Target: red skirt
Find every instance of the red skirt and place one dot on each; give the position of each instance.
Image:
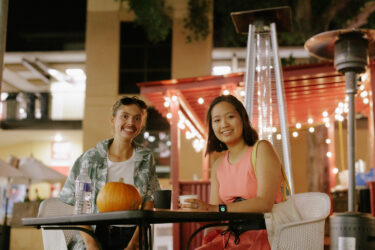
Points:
(249, 240)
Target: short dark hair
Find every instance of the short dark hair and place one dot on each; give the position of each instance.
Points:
(249, 134)
(128, 101)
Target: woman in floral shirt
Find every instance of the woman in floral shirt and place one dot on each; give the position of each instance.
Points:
(111, 160)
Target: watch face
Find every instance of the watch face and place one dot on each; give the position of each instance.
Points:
(222, 208)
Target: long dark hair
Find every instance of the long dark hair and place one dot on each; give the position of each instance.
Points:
(249, 135)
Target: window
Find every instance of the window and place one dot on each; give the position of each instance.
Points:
(141, 60)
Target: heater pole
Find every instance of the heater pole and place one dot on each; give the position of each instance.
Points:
(351, 90)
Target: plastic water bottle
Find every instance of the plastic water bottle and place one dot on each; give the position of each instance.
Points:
(83, 192)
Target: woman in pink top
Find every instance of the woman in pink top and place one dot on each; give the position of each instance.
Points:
(232, 175)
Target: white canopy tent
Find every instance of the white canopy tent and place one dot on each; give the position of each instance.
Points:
(37, 171)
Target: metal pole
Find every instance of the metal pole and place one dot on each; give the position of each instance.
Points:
(3, 31)
(250, 72)
(282, 109)
(351, 90)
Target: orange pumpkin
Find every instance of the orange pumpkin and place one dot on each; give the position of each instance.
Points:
(116, 196)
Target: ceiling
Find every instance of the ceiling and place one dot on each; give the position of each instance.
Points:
(309, 90)
(31, 71)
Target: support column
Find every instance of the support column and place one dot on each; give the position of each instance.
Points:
(371, 118)
(3, 32)
(175, 164)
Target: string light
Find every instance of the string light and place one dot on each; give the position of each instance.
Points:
(325, 114)
(335, 170)
(327, 125)
(278, 137)
(174, 98)
(311, 129)
(364, 94)
(295, 134)
(181, 125)
(226, 92)
(365, 100)
(200, 100)
(298, 125)
(198, 143)
(328, 141)
(146, 134)
(310, 120)
(329, 154)
(169, 115)
(166, 104)
(242, 93)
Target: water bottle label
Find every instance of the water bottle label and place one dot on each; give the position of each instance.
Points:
(86, 187)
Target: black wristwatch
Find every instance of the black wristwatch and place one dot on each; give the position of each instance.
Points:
(222, 208)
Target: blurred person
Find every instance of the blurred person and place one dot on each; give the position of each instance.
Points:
(234, 183)
(110, 160)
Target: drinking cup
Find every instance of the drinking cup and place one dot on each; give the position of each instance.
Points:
(162, 199)
(187, 196)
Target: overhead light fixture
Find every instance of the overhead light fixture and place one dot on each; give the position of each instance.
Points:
(221, 70)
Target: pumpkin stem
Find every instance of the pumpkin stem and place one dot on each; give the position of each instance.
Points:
(121, 180)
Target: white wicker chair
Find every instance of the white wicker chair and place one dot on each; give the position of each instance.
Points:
(55, 239)
(307, 234)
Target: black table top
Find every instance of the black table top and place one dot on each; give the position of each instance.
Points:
(140, 217)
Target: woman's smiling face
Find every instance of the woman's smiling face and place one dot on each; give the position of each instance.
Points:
(226, 123)
(128, 121)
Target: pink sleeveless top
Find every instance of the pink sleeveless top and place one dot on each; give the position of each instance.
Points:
(239, 180)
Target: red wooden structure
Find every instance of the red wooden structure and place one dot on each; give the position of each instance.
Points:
(310, 90)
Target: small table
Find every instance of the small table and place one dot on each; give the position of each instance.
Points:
(142, 218)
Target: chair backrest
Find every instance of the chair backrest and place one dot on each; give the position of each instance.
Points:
(308, 233)
(312, 205)
(55, 239)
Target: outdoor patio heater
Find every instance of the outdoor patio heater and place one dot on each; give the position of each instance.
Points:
(350, 50)
(263, 72)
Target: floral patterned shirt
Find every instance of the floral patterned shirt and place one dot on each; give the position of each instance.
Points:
(95, 159)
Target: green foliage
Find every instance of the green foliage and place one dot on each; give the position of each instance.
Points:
(153, 16)
(197, 21)
(309, 17)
